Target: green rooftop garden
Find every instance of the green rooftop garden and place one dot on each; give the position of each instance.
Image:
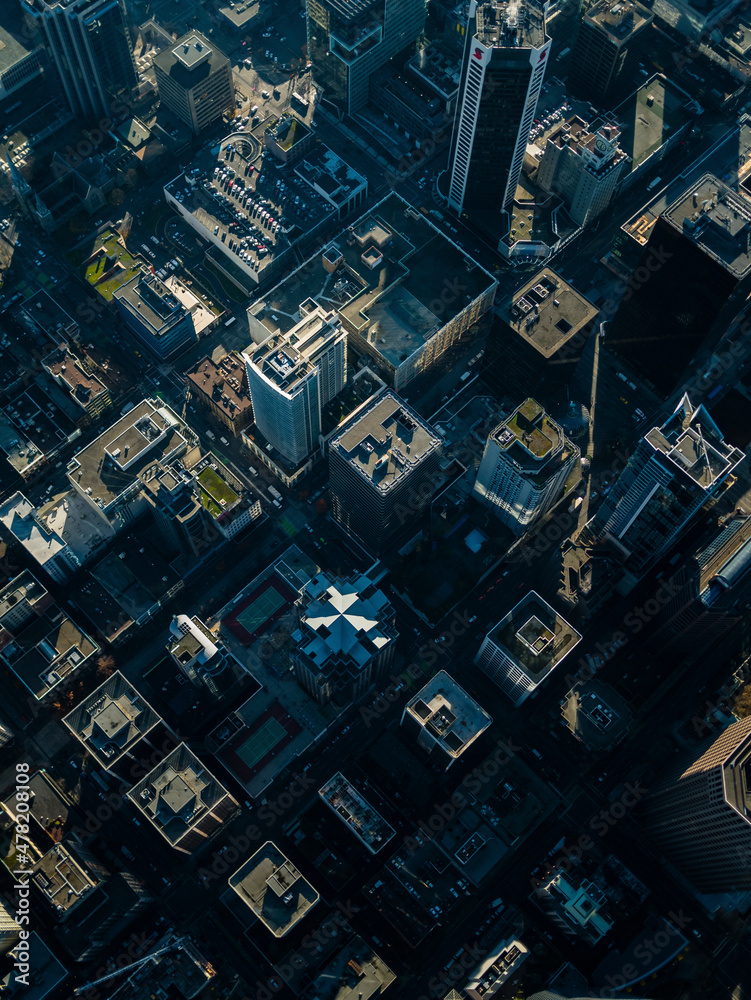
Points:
(214, 490)
(105, 263)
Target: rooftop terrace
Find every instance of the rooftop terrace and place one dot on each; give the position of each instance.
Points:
(384, 275)
(448, 713)
(270, 885)
(535, 636)
(547, 312)
(349, 805)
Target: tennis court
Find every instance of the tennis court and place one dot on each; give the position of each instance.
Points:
(260, 610)
(260, 742)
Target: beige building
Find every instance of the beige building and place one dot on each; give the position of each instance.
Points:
(195, 81)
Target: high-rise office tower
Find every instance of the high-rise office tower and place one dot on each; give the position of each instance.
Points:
(291, 376)
(88, 44)
(674, 470)
(347, 637)
(504, 64)
(195, 81)
(611, 40)
(350, 39)
(699, 815)
(384, 467)
(524, 466)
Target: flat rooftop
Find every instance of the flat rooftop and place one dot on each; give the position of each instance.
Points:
(692, 441)
(270, 885)
(535, 636)
(191, 60)
(151, 432)
(62, 880)
(152, 302)
(596, 715)
(250, 216)
(649, 117)
(529, 435)
(329, 175)
(384, 275)
(362, 819)
(718, 220)
(112, 719)
(512, 24)
(547, 312)
(620, 19)
(240, 15)
(386, 442)
(225, 383)
(48, 651)
(448, 713)
(439, 68)
(182, 799)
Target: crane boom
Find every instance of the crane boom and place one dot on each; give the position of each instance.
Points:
(174, 943)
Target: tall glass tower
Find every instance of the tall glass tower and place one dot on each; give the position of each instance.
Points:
(505, 55)
(88, 44)
(348, 40)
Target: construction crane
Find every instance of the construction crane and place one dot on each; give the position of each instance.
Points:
(174, 943)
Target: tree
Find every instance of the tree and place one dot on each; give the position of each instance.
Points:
(742, 706)
(105, 665)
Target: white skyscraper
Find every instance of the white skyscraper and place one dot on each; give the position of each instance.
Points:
(524, 467)
(291, 377)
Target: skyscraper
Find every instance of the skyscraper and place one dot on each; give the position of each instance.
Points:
(350, 39)
(524, 466)
(88, 44)
(384, 468)
(504, 64)
(611, 40)
(291, 376)
(347, 637)
(674, 470)
(195, 81)
(699, 815)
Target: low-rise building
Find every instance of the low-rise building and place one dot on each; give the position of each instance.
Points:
(183, 801)
(274, 890)
(522, 649)
(87, 391)
(222, 388)
(289, 139)
(354, 810)
(156, 315)
(108, 472)
(334, 180)
(46, 651)
(445, 718)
